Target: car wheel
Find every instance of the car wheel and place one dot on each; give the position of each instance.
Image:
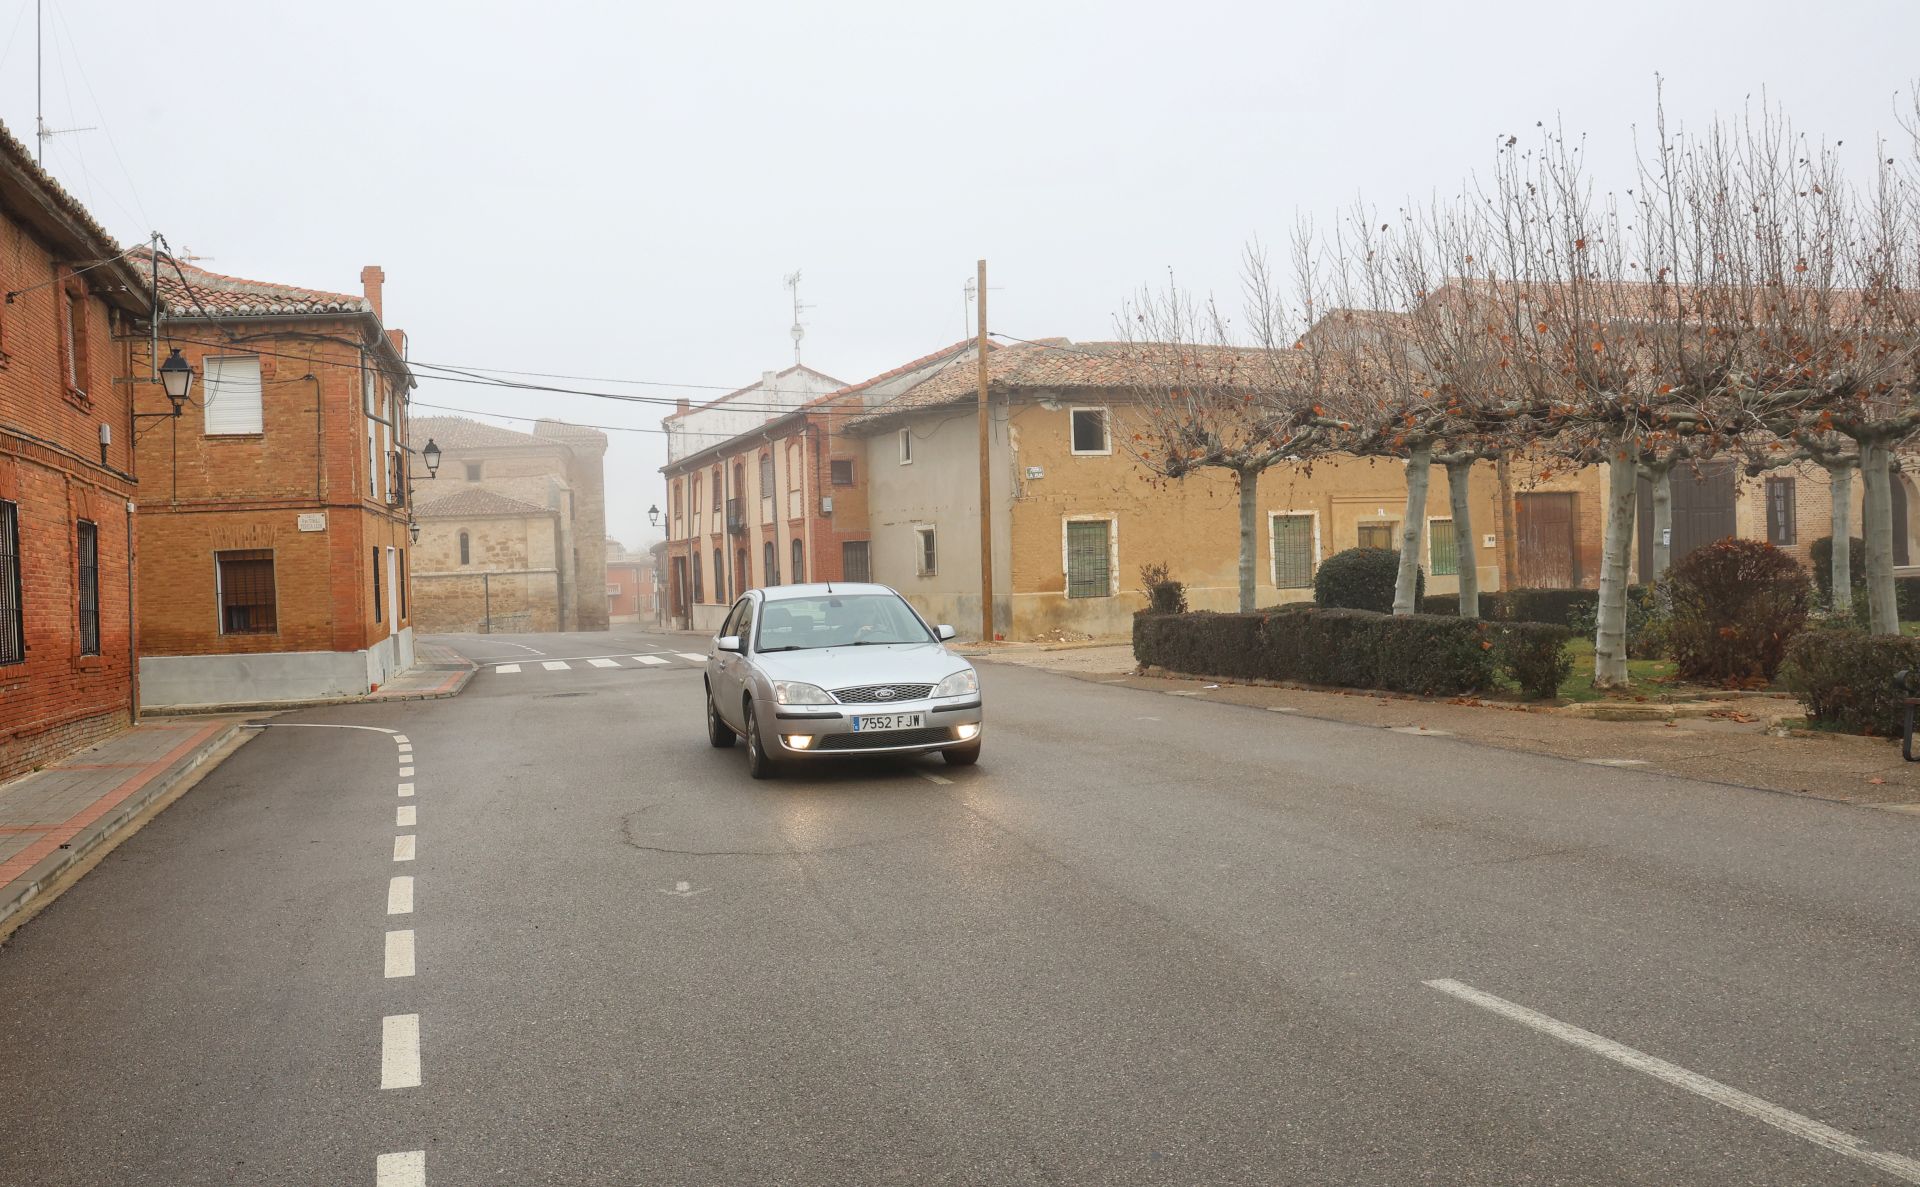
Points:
(760, 764)
(719, 733)
(962, 756)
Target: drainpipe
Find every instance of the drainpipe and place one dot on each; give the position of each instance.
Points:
(133, 658)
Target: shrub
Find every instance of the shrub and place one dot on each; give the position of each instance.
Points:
(1561, 607)
(1362, 579)
(1164, 594)
(1417, 653)
(1820, 557)
(1845, 678)
(1735, 605)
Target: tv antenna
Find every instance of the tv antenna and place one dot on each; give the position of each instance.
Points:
(799, 329)
(41, 132)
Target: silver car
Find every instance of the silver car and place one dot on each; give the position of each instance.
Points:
(806, 670)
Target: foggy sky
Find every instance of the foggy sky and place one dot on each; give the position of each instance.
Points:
(618, 189)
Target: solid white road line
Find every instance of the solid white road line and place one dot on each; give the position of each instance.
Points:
(506, 669)
(406, 772)
(604, 663)
(400, 953)
(400, 1051)
(691, 657)
(403, 816)
(405, 1169)
(400, 895)
(403, 848)
(556, 665)
(1805, 1128)
(651, 660)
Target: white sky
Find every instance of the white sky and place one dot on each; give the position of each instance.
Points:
(618, 189)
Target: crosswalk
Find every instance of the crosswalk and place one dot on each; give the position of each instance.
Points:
(670, 659)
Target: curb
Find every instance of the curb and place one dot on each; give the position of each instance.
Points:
(103, 834)
(452, 687)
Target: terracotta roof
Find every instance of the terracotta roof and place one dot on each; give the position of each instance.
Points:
(1059, 364)
(233, 296)
(956, 349)
(21, 157)
(453, 433)
(475, 502)
(32, 197)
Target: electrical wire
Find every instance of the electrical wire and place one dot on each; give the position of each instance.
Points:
(70, 275)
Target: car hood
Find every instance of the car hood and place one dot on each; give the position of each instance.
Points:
(848, 667)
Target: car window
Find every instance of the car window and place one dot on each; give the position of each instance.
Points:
(736, 621)
(838, 620)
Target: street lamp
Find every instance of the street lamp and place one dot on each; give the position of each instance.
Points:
(653, 515)
(413, 529)
(432, 455)
(176, 377)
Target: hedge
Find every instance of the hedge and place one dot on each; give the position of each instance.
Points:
(1556, 606)
(1363, 579)
(1845, 678)
(1417, 653)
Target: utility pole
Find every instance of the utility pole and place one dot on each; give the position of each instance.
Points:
(986, 470)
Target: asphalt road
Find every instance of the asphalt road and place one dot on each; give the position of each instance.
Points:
(1147, 940)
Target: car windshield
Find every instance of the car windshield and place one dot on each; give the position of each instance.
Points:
(838, 620)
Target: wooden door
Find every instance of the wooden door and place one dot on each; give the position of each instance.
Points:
(1546, 558)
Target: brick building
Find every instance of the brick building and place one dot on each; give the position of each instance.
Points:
(633, 587)
(273, 524)
(557, 472)
(66, 470)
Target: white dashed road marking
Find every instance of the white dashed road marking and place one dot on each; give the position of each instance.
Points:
(400, 1051)
(930, 777)
(400, 954)
(1421, 731)
(506, 669)
(555, 665)
(405, 1169)
(604, 663)
(404, 816)
(400, 895)
(1615, 762)
(1805, 1128)
(690, 656)
(650, 660)
(406, 772)
(403, 848)
(406, 789)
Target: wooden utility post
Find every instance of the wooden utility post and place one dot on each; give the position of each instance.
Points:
(986, 470)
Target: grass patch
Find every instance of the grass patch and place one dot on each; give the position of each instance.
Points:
(1648, 676)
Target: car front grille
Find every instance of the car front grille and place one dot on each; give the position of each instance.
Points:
(883, 739)
(867, 694)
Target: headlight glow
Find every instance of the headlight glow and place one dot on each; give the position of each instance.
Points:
(959, 684)
(792, 692)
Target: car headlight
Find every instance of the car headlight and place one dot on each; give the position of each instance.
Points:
(792, 692)
(959, 684)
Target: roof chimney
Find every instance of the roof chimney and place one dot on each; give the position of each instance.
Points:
(371, 278)
(681, 406)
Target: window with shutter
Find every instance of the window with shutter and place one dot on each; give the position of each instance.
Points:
(1292, 551)
(1443, 550)
(1089, 558)
(232, 396)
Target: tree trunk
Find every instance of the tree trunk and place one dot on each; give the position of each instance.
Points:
(1840, 570)
(1419, 465)
(1249, 533)
(1459, 476)
(1876, 524)
(1610, 639)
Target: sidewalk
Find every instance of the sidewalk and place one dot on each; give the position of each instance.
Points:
(55, 823)
(1734, 744)
(438, 672)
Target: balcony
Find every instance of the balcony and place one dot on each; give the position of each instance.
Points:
(736, 517)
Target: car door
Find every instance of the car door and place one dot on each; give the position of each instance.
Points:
(730, 668)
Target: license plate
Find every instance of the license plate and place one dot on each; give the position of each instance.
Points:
(873, 722)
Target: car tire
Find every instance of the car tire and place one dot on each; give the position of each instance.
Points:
(760, 764)
(962, 756)
(719, 733)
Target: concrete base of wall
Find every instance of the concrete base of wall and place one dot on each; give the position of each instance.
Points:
(167, 680)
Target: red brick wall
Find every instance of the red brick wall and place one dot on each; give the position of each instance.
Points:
(50, 466)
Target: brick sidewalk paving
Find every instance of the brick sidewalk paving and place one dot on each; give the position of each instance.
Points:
(53, 819)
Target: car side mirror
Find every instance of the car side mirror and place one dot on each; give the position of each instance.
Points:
(944, 631)
(727, 643)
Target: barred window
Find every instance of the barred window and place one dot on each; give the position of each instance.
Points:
(244, 585)
(1781, 526)
(13, 635)
(88, 547)
(842, 471)
(1089, 558)
(799, 571)
(929, 552)
(1292, 551)
(1443, 549)
(403, 583)
(855, 564)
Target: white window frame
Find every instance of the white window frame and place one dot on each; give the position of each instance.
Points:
(906, 447)
(211, 392)
(1112, 520)
(1273, 545)
(920, 566)
(1106, 430)
(1426, 547)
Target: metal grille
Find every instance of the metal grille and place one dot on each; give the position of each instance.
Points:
(885, 739)
(864, 695)
(1292, 551)
(1781, 528)
(1089, 561)
(854, 563)
(13, 638)
(1443, 548)
(89, 548)
(246, 592)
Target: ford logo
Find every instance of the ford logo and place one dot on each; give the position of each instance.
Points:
(883, 694)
